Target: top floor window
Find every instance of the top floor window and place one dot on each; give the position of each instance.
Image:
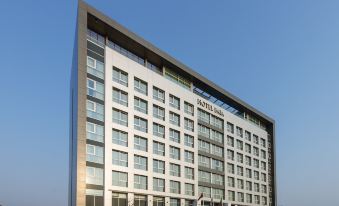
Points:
(140, 86)
(120, 76)
(174, 101)
(159, 94)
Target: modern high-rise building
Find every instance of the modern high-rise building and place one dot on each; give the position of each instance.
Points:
(145, 129)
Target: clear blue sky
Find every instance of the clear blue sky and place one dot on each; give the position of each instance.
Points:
(282, 57)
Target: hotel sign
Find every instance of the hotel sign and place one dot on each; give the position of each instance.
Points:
(210, 107)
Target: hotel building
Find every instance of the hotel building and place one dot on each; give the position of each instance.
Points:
(146, 129)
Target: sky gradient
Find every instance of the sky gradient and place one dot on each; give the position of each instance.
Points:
(282, 57)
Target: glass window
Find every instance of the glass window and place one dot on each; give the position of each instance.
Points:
(256, 199)
(140, 105)
(248, 148)
(94, 154)
(174, 153)
(189, 140)
(95, 89)
(240, 170)
(240, 197)
(140, 182)
(248, 198)
(140, 143)
(216, 150)
(189, 173)
(204, 176)
(189, 124)
(217, 136)
(230, 127)
(262, 142)
(204, 161)
(174, 101)
(230, 154)
(158, 201)
(189, 189)
(230, 168)
(120, 117)
(140, 124)
(174, 135)
(248, 160)
(140, 86)
(248, 173)
(255, 139)
(248, 185)
(158, 112)
(230, 181)
(206, 191)
(189, 156)
(94, 176)
(174, 187)
(94, 197)
(158, 130)
(120, 97)
(218, 193)
(204, 146)
(203, 116)
(189, 108)
(120, 76)
(158, 94)
(174, 202)
(217, 165)
(119, 199)
(174, 118)
(247, 135)
(240, 184)
(158, 166)
(240, 158)
(189, 202)
(119, 179)
(119, 158)
(230, 141)
(158, 185)
(158, 148)
(95, 110)
(239, 132)
(231, 195)
(96, 38)
(140, 200)
(95, 67)
(174, 170)
(140, 162)
(119, 137)
(95, 132)
(239, 144)
(203, 131)
(217, 122)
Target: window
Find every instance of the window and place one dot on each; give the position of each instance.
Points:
(217, 122)
(120, 76)
(95, 110)
(158, 185)
(203, 116)
(240, 158)
(174, 187)
(119, 199)
(240, 197)
(140, 162)
(119, 158)
(247, 135)
(120, 97)
(248, 148)
(174, 118)
(158, 112)
(158, 201)
(203, 131)
(248, 160)
(204, 146)
(255, 139)
(263, 177)
(204, 176)
(174, 153)
(230, 141)
(217, 165)
(240, 171)
(119, 179)
(95, 132)
(120, 117)
(189, 140)
(230, 168)
(230, 181)
(95, 89)
(189, 202)
(230, 127)
(217, 179)
(174, 202)
(263, 189)
(189, 108)
(140, 182)
(94, 176)
(263, 154)
(263, 165)
(174, 101)
(158, 148)
(174, 170)
(264, 200)
(204, 161)
(262, 142)
(239, 144)
(174, 135)
(140, 124)
(189, 125)
(256, 151)
(257, 199)
(239, 132)
(248, 198)
(217, 136)
(158, 94)
(189, 189)
(189, 156)
(248, 173)
(119, 137)
(256, 163)
(158, 130)
(94, 154)
(231, 195)
(140, 143)
(140, 86)
(189, 173)
(140, 200)
(206, 191)
(248, 185)
(256, 175)
(256, 187)
(218, 193)
(140, 105)
(216, 150)
(158, 166)
(94, 197)
(240, 184)
(95, 67)
(230, 154)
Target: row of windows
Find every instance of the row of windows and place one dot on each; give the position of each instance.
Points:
(249, 185)
(248, 159)
(141, 86)
(141, 182)
(248, 135)
(248, 172)
(240, 198)
(248, 148)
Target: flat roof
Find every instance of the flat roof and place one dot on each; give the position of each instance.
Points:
(106, 26)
